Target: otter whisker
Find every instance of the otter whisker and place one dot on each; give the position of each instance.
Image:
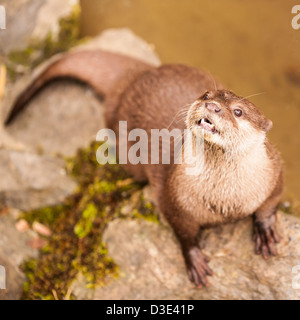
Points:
(213, 79)
(180, 112)
(182, 116)
(252, 95)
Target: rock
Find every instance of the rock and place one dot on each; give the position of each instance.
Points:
(13, 251)
(37, 243)
(41, 229)
(62, 118)
(152, 266)
(31, 181)
(49, 15)
(124, 41)
(66, 116)
(32, 19)
(22, 225)
(80, 290)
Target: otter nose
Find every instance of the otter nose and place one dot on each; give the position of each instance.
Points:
(213, 107)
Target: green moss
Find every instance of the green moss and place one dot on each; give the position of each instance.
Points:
(290, 207)
(41, 50)
(46, 216)
(143, 209)
(85, 225)
(22, 57)
(76, 245)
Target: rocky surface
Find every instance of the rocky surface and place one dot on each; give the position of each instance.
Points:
(124, 41)
(29, 181)
(152, 267)
(14, 250)
(62, 118)
(29, 20)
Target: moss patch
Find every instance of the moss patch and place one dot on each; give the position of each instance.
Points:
(47, 216)
(290, 207)
(76, 246)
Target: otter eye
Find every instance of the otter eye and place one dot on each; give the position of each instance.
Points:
(238, 112)
(205, 96)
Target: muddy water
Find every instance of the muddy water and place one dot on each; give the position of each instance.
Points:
(249, 45)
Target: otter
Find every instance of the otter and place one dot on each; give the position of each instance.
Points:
(242, 173)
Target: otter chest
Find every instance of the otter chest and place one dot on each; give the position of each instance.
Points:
(229, 190)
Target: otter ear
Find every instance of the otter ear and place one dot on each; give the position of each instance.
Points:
(206, 95)
(268, 125)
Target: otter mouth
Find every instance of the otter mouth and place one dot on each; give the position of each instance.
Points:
(207, 125)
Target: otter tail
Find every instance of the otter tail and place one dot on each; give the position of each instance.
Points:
(99, 69)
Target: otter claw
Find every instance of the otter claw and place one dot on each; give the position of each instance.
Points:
(265, 241)
(197, 267)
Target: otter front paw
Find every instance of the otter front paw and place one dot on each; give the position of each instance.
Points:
(265, 237)
(197, 267)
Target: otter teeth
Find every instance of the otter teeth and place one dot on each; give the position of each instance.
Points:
(206, 124)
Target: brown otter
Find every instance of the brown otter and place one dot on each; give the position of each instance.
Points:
(242, 172)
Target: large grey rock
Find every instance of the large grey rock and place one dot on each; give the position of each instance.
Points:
(31, 181)
(13, 251)
(62, 118)
(31, 19)
(152, 267)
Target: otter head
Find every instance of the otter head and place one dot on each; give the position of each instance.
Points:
(231, 122)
